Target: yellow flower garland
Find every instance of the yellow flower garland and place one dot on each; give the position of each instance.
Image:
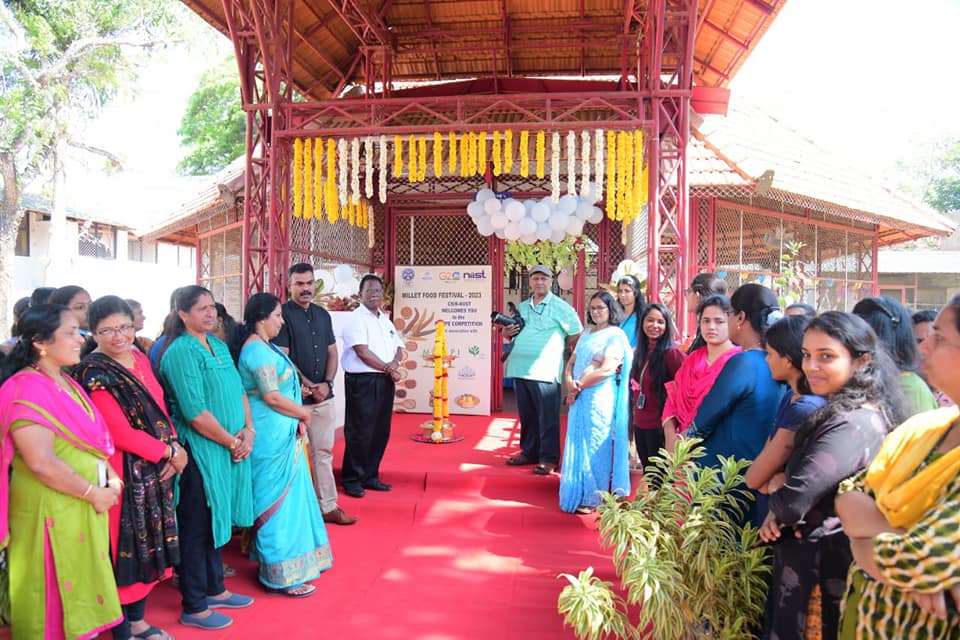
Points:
(421, 159)
(308, 183)
(464, 155)
(496, 153)
(624, 167)
(524, 160)
(412, 158)
(437, 154)
(317, 178)
(611, 178)
(452, 160)
(298, 178)
(507, 151)
(541, 153)
(330, 196)
(397, 156)
(637, 175)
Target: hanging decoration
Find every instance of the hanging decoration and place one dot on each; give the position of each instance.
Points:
(326, 175)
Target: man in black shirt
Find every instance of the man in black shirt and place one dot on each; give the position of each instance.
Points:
(307, 336)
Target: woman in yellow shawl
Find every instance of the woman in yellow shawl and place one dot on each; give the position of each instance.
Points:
(903, 514)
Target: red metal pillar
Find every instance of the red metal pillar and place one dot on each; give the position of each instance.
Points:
(666, 65)
(261, 31)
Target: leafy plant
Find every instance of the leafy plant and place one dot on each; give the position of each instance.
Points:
(685, 566)
(4, 588)
(792, 281)
(555, 255)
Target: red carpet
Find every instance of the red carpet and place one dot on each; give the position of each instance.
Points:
(463, 548)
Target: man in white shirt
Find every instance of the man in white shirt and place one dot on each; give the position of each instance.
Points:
(371, 363)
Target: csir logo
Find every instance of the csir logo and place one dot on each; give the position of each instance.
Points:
(407, 275)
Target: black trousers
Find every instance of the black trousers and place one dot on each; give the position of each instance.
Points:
(201, 564)
(133, 611)
(366, 427)
(798, 566)
(538, 404)
(649, 442)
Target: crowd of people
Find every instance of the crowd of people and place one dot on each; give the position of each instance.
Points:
(848, 421)
(127, 461)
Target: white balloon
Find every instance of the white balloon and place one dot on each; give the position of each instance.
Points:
(565, 279)
(544, 231)
(528, 238)
(527, 226)
(557, 235)
(567, 204)
(484, 227)
(321, 275)
(583, 211)
(596, 215)
(558, 220)
(491, 206)
(512, 231)
(589, 193)
(528, 205)
(574, 226)
(499, 219)
(345, 289)
(475, 209)
(514, 209)
(499, 233)
(485, 194)
(540, 212)
(342, 273)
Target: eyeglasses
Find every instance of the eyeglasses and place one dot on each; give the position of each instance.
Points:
(109, 332)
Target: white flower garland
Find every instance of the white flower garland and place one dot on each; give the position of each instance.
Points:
(368, 167)
(342, 174)
(371, 236)
(355, 169)
(571, 163)
(598, 141)
(383, 173)
(555, 166)
(585, 163)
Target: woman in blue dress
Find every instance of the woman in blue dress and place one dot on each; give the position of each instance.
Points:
(290, 540)
(596, 450)
(631, 300)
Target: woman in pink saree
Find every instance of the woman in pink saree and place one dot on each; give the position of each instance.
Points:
(53, 514)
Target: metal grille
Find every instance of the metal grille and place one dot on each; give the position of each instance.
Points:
(439, 240)
(220, 262)
(97, 241)
(316, 239)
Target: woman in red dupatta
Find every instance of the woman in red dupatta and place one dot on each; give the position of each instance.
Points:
(61, 486)
(699, 371)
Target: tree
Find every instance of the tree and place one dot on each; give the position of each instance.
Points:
(936, 178)
(214, 125)
(60, 62)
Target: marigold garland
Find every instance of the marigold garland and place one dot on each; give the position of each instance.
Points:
(412, 158)
(508, 151)
(611, 207)
(522, 151)
(571, 163)
(317, 178)
(464, 155)
(452, 160)
(541, 153)
(422, 158)
(330, 186)
(624, 166)
(437, 154)
(637, 175)
(297, 178)
(397, 156)
(474, 150)
(496, 154)
(352, 211)
(308, 182)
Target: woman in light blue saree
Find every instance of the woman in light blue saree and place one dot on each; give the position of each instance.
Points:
(289, 538)
(595, 453)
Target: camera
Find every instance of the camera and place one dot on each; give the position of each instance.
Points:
(503, 320)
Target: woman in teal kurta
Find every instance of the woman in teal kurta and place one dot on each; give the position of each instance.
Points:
(290, 539)
(212, 416)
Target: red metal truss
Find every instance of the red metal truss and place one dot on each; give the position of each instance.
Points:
(366, 24)
(261, 33)
(667, 73)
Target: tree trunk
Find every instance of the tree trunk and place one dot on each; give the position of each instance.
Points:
(10, 216)
(59, 261)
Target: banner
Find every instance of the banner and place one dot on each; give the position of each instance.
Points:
(460, 296)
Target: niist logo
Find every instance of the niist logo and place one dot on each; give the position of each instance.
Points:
(454, 276)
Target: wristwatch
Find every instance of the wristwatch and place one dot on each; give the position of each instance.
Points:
(329, 384)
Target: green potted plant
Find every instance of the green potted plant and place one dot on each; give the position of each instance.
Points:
(686, 568)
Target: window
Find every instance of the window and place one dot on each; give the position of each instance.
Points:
(97, 241)
(141, 251)
(23, 236)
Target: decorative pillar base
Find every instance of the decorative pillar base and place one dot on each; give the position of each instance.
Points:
(446, 433)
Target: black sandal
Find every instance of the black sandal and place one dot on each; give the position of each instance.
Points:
(544, 468)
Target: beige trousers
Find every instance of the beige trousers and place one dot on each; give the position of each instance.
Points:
(320, 434)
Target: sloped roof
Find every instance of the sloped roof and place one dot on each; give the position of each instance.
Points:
(44, 205)
(457, 39)
(730, 153)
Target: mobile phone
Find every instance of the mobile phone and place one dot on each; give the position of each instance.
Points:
(101, 473)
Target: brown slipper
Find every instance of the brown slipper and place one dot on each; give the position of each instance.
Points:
(544, 468)
(520, 460)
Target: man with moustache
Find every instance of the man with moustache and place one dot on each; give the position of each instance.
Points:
(372, 350)
(534, 364)
(307, 337)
